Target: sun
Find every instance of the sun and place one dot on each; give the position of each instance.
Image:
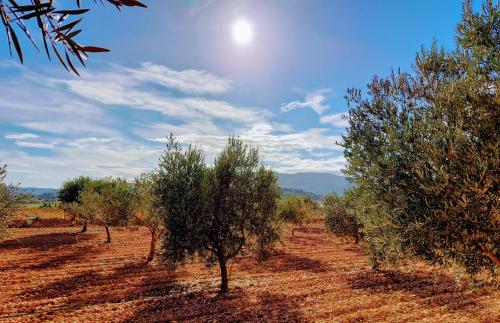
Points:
(242, 32)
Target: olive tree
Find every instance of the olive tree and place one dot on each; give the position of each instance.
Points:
(10, 201)
(424, 148)
(342, 217)
(148, 210)
(69, 194)
(108, 202)
(296, 210)
(216, 212)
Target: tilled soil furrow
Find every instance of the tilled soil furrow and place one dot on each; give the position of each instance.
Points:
(60, 275)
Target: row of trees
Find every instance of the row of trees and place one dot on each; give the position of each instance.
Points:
(107, 202)
(423, 150)
(214, 213)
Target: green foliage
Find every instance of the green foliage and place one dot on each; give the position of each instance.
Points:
(423, 148)
(214, 212)
(179, 188)
(147, 206)
(10, 201)
(342, 216)
(70, 189)
(297, 210)
(69, 195)
(266, 223)
(148, 209)
(108, 201)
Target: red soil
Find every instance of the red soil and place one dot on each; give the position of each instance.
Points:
(56, 274)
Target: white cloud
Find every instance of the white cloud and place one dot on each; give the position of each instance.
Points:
(30, 144)
(66, 127)
(338, 120)
(188, 81)
(91, 158)
(90, 135)
(314, 100)
(281, 150)
(121, 92)
(21, 136)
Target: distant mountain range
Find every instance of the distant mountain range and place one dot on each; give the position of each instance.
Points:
(43, 194)
(313, 184)
(293, 191)
(317, 183)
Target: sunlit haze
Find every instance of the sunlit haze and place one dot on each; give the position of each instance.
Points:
(243, 32)
(273, 73)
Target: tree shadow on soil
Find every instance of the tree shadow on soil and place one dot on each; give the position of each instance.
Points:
(162, 298)
(281, 261)
(432, 290)
(77, 255)
(235, 306)
(44, 223)
(45, 242)
(129, 282)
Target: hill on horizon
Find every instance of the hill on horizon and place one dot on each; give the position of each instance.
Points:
(42, 193)
(317, 183)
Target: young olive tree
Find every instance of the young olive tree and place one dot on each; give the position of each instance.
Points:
(296, 210)
(341, 216)
(10, 201)
(108, 202)
(69, 194)
(215, 212)
(148, 210)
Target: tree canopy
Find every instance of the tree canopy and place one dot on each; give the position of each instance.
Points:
(148, 209)
(106, 202)
(215, 212)
(423, 148)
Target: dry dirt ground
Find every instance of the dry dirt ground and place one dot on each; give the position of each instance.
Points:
(53, 273)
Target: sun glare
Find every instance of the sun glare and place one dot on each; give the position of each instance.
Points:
(242, 32)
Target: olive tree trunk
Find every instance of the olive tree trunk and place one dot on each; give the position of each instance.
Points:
(152, 247)
(108, 236)
(224, 286)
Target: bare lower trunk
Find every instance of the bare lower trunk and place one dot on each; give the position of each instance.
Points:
(488, 252)
(293, 231)
(493, 258)
(84, 228)
(108, 236)
(152, 247)
(224, 286)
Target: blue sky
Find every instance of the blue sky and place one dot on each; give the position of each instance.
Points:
(175, 67)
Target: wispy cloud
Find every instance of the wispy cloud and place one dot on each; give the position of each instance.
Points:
(115, 88)
(21, 136)
(30, 144)
(338, 120)
(113, 121)
(314, 100)
(188, 81)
